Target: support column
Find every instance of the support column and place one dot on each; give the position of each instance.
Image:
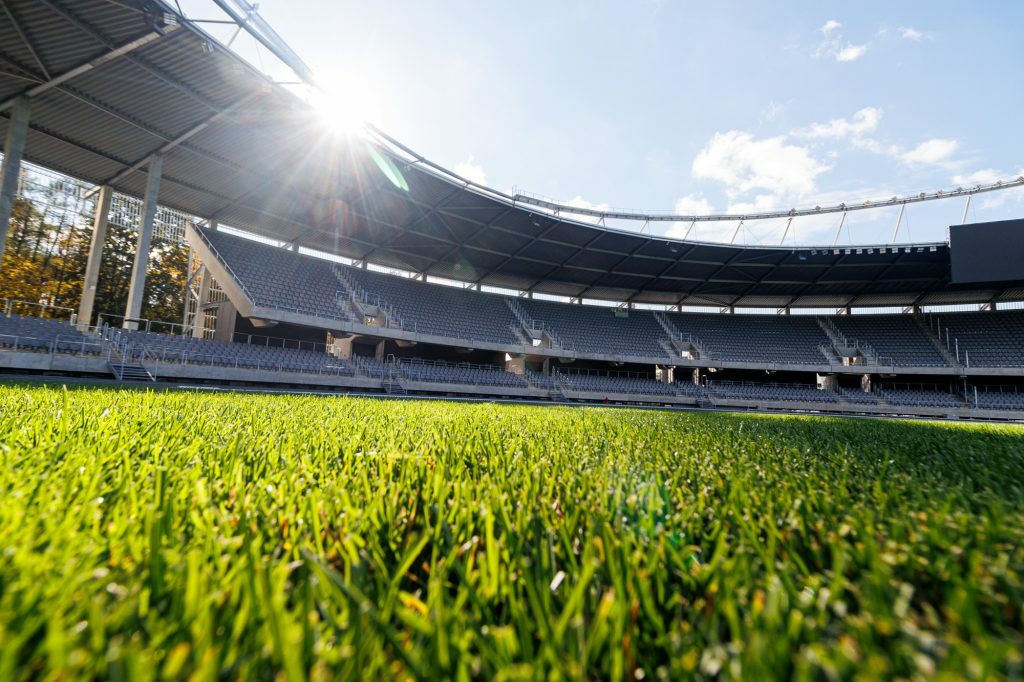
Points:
(199, 322)
(92, 266)
(147, 219)
(14, 148)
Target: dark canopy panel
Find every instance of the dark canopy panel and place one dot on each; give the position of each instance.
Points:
(112, 83)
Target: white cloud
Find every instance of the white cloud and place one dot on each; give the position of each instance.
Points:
(910, 33)
(829, 26)
(693, 204)
(580, 202)
(851, 53)
(832, 44)
(985, 176)
(744, 163)
(472, 171)
(929, 152)
(863, 121)
(771, 111)
(989, 176)
(762, 203)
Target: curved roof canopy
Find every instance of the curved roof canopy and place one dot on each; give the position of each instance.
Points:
(111, 84)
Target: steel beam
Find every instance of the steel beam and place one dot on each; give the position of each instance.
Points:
(148, 218)
(113, 54)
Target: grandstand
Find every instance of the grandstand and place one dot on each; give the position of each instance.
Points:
(354, 264)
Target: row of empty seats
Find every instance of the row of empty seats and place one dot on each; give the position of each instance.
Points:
(897, 340)
(755, 338)
(990, 339)
(458, 373)
(593, 329)
(19, 332)
(599, 383)
(168, 348)
(277, 277)
(775, 392)
(48, 335)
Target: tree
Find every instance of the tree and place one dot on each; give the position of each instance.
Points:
(48, 248)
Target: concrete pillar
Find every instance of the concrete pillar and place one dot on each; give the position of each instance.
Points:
(227, 316)
(828, 382)
(14, 148)
(516, 364)
(342, 348)
(212, 224)
(147, 219)
(92, 266)
(199, 323)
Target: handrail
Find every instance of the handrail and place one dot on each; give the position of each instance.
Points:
(9, 303)
(223, 261)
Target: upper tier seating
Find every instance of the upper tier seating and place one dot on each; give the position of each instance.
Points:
(286, 280)
(441, 310)
(281, 279)
(790, 339)
(593, 329)
(988, 339)
(44, 334)
(898, 339)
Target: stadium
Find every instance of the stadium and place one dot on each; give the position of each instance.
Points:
(166, 515)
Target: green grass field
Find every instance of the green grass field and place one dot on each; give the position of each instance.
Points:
(215, 536)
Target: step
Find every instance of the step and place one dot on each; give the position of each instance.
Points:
(133, 372)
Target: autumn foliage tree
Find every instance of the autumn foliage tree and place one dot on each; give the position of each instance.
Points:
(46, 254)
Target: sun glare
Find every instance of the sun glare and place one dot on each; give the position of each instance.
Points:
(338, 111)
(345, 105)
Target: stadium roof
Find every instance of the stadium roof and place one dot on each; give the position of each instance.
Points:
(112, 83)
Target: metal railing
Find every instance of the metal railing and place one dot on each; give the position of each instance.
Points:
(224, 263)
(531, 324)
(12, 306)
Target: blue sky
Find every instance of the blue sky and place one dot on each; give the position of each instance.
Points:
(697, 107)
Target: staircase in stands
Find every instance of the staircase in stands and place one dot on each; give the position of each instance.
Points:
(937, 342)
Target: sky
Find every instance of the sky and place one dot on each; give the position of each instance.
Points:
(695, 108)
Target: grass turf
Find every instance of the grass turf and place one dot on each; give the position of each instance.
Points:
(169, 535)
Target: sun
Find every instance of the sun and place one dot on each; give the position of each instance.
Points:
(344, 106)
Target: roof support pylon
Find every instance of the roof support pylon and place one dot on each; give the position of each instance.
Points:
(138, 283)
(739, 226)
(967, 207)
(14, 149)
(839, 229)
(785, 232)
(899, 219)
(92, 266)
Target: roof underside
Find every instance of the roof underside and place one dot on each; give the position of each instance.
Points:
(249, 154)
